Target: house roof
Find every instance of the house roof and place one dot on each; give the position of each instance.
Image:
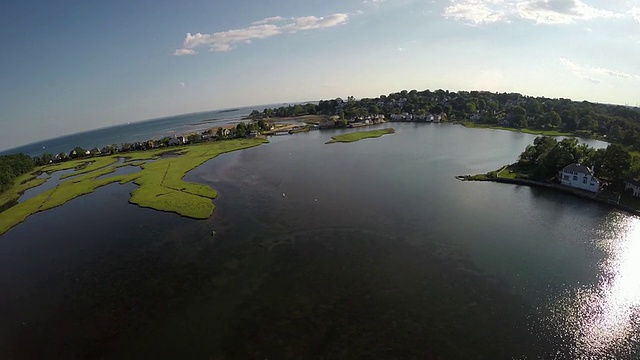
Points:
(633, 182)
(577, 168)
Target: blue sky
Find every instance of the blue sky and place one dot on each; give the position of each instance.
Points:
(72, 66)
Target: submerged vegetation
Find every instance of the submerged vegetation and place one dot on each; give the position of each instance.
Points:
(356, 136)
(160, 182)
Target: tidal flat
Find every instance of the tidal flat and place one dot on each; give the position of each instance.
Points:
(160, 184)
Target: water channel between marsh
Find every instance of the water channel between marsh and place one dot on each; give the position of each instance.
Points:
(362, 250)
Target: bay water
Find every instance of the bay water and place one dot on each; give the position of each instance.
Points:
(363, 250)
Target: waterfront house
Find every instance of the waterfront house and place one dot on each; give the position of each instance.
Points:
(397, 117)
(579, 177)
(632, 187)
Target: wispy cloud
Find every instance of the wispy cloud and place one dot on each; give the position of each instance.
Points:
(262, 29)
(595, 73)
(635, 13)
(180, 52)
(477, 12)
(269, 20)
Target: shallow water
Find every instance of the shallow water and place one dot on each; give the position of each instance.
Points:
(52, 181)
(374, 251)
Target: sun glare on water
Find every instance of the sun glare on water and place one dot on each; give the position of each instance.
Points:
(605, 319)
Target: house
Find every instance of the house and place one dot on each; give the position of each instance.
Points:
(397, 117)
(579, 177)
(632, 187)
(328, 123)
(174, 141)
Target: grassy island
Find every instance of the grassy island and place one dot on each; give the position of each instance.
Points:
(356, 136)
(160, 182)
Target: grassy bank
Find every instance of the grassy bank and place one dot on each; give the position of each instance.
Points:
(356, 136)
(160, 183)
(526, 131)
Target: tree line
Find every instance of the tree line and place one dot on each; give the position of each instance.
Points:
(12, 166)
(615, 123)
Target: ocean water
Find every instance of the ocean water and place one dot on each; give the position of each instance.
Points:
(139, 131)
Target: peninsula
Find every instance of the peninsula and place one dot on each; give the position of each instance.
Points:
(542, 163)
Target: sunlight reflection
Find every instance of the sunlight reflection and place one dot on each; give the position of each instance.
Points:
(606, 318)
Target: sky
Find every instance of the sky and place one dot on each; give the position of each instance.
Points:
(71, 66)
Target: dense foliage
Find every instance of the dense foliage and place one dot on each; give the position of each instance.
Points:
(616, 123)
(12, 166)
(547, 156)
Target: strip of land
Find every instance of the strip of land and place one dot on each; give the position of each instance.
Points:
(160, 182)
(511, 174)
(360, 135)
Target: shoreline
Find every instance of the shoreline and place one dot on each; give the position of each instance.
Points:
(553, 133)
(556, 187)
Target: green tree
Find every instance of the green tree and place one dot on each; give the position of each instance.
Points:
(470, 108)
(533, 107)
(554, 119)
(588, 123)
(616, 163)
(241, 130)
(615, 133)
(77, 152)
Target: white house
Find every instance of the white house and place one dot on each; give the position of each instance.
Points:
(580, 177)
(632, 187)
(397, 117)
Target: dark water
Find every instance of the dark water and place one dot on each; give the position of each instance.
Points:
(374, 251)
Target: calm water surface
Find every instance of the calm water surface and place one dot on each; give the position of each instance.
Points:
(362, 250)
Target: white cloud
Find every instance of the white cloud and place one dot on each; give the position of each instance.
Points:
(477, 12)
(182, 85)
(181, 52)
(269, 20)
(228, 40)
(591, 73)
(635, 13)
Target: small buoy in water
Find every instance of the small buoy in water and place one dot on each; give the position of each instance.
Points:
(213, 233)
(282, 194)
